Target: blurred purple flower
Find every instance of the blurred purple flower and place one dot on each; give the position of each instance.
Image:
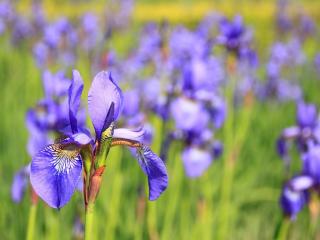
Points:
(20, 183)
(233, 34)
(55, 85)
(22, 30)
(311, 162)
(283, 21)
(41, 54)
(195, 161)
(189, 115)
(306, 26)
(131, 103)
(91, 30)
(306, 115)
(292, 201)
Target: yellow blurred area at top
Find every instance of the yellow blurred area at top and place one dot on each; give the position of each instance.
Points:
(173, 11)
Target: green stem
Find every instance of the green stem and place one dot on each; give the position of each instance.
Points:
(226, 189)
(89, 221)
(283, 230)
(174, 197)
(228, 165)
(31, 221)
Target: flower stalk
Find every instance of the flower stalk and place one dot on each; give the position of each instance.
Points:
(32, 215)
(31, 221)
(89, 221)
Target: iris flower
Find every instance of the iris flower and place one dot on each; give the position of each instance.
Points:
(57, 169)
(295, 195)
(306, 130)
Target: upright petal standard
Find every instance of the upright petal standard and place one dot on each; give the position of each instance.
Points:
(74, 93)
(104, 94)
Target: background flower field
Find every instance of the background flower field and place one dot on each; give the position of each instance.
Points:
(231, 200)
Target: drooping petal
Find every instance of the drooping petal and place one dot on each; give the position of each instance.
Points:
(55, 173)
(104, 94)
(125, 133)
(75, 91)
(156, 171)
(20, 183)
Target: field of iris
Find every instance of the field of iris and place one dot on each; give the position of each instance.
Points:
(237, 196)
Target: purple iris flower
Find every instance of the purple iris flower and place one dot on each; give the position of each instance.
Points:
(311, 162)
(217, 149)
(52, 36)
(305, 131)
(153, 88)
(180, 42)
(91, 30)
(279, 53)
(196, 161)
(150, 42)
(249, 56)
(6, 11)
(273, 69)
(55, 85)
(295, 196)
(306, 115)
(131, 103)
(39, 18)
(189, 115)
(282, 149)
(283, 22)
(232, 33)
(38, 135)
(22, 30)
(41, 54)
(20, 183)
(56, 169)
(90, 23)
(306, 26)
(63, 25)
(286, 90)
(209, 23)
(218, 111)
(202, 76)
(283, 56)
(49, 116)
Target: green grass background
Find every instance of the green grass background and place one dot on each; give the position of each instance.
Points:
(189, 209)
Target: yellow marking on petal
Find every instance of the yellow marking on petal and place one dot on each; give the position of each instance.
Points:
(65, 157)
